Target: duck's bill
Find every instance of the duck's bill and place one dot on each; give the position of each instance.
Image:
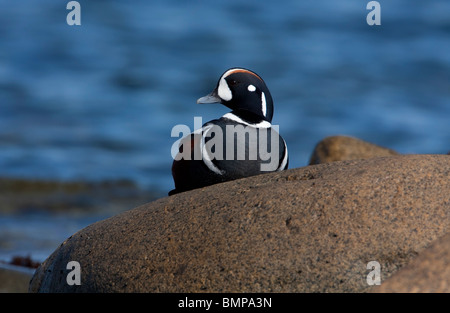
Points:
(211, 98)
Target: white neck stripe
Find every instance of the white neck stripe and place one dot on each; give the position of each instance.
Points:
(264, 104)
(234, 117)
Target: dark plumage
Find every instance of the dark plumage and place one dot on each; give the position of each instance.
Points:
(241, 143)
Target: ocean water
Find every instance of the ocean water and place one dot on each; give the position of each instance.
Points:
(98, 101)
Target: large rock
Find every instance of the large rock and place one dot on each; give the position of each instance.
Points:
(311, 229)
(429, 272)
(342, 148)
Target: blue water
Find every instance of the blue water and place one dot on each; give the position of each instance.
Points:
(98, 101)
(38, 235)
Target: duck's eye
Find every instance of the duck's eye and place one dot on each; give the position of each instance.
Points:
(233, 82)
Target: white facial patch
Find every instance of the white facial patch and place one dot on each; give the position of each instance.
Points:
(263, 103)
(251, 88)
(223, 90)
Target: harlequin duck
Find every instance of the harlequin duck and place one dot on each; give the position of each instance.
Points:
(241, 143)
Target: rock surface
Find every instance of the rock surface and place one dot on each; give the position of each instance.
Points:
(342, 148)
(311, 229)
(428, 273)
